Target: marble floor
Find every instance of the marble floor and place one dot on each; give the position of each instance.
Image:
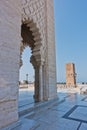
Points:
(71, 114)
(26, 97)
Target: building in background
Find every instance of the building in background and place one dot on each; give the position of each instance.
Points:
(70, 74)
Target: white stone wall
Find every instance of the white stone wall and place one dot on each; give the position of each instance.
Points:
(42, 13)
(10, 21)
(51, 50)
(35, 10)
(39, 15)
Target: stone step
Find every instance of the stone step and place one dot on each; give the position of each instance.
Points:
(28, 124)
(23, 124)
(38, 107)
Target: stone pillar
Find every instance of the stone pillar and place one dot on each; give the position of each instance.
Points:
(51, 52)
(45, 83)
(10, 30)
(36, 93)
(41, 79)
(38, 83)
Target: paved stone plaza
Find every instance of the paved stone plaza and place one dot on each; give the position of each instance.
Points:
(69, 114)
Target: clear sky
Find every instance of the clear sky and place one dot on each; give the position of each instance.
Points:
(70, 37)
(27, 67)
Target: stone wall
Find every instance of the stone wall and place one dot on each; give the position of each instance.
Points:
(34, 10)
(10, 23)
(51, 50)
(42, 14)
(38, 15)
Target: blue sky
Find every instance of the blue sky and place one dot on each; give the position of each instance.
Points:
(70, 37)
(27, 67)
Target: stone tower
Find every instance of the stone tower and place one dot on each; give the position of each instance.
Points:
(26, 23)
(70, 75)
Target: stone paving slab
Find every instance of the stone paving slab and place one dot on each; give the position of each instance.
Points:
(83, 126)
(52, 123)
(80, 113)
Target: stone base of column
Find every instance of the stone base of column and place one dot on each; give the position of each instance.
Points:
(53, 98)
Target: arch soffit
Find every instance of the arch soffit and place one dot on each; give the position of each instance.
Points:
(36, 49)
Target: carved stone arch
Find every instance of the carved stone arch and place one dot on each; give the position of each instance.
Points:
(34, 14)
(36, 21)
(35, 40)
(31, 37)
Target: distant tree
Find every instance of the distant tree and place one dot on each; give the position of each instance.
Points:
(25, 82)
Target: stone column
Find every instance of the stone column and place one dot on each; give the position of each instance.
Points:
(36, 93)
(41, 79)
(38, 83)
(45, 85)
(51, 55)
